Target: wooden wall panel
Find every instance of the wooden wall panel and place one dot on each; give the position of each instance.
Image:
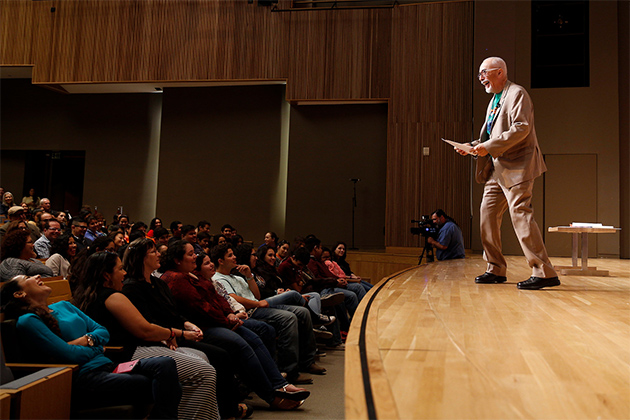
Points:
(431, 97)
(16, 23)
(339, 55)
(124, 41)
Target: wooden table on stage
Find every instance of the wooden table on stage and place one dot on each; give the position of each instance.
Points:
(574, 269)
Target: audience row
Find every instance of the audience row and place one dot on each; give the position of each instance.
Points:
(195, 313)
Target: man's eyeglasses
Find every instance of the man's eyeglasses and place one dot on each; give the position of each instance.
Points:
(484, 72)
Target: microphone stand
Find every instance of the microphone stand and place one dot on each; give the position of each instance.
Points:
(354, 205)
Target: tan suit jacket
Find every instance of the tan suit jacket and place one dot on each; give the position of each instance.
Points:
(514, 155)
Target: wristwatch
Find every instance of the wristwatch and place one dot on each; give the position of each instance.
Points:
(90, 340)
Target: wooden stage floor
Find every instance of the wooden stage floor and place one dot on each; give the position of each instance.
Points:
(429, 343)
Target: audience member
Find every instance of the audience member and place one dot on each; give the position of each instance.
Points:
(18, 257)
(62, 218)
(189, 233)
(52, 230)
(44, 204)
(7, 203)
(62, 333)
(336, 269)
(62, 253)
(154, 224)
(237, 240)
(123, 222)
(203, 226)
(93, 230)
(176, 230)
(282, 252)
(31, 200)
(227, 230)
(161, 236)
(102, 243)
(79, 227)
(153, 299)
(204, 239)
(118, 238)
(271, 240)
(141, 226)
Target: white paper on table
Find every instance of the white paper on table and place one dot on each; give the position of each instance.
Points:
(463, 146)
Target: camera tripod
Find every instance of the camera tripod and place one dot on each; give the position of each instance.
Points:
(428, 250)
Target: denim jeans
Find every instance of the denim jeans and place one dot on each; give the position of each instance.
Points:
(291, 297)
(350, 304)
(152, 381)
(249, 354)
(358, 290)
(265, 331)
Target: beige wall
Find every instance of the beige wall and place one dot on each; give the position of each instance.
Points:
(568, 120)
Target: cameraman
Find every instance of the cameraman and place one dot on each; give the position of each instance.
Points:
(450, 241)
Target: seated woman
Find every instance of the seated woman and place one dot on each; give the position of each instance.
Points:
(118, 238)
(199, 300)
(63, 251)
(282, 253)
(7, 203)
(334, 265)
(31, 200)
(271, 240)
(99, 296)
(272, 285)
(154, 224)
(152, 298)
(61, 333)
(18, 257)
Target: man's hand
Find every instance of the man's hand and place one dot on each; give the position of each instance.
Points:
(244, 270)
(431, 241)
(480, 150)
(342, 282)
(460, 151)
(263, 304)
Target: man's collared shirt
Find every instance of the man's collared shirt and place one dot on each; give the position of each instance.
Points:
(42, 247)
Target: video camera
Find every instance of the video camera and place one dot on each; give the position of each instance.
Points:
(425, 227)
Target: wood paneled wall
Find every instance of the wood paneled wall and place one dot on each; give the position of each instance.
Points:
(431, 97)
(418, 57)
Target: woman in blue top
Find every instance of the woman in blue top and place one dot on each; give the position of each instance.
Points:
(61, 333)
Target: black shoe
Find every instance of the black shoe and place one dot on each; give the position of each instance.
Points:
(489, 278)
(333, 299)
(535, 283)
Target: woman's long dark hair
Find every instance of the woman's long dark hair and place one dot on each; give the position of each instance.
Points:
(60, 246)
(243, 254)
(176, 251)
(261, 264)
(334, 255)
(13, 307)
(96, 266)
(13, 244)
(133, 260)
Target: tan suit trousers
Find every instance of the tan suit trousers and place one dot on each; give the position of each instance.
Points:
(518, 199)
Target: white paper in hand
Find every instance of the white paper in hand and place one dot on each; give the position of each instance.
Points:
(463, 146)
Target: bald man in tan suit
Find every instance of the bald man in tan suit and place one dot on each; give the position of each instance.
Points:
(508, 161)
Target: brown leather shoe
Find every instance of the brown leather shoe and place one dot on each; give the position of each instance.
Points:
(301, 379)
(285, 404)
(315, 369)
